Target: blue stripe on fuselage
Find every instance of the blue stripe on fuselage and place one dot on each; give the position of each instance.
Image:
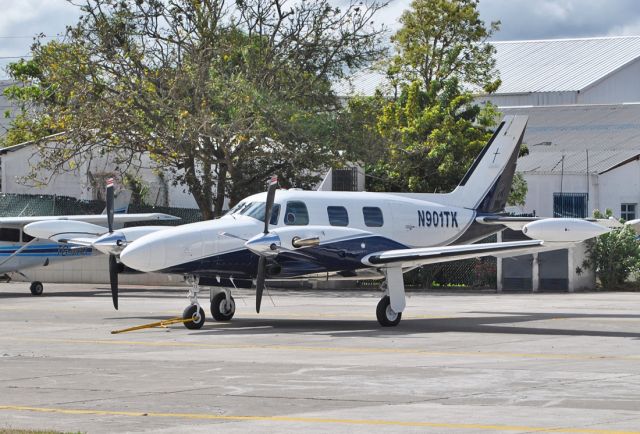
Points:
(51, 249)
(343, 255)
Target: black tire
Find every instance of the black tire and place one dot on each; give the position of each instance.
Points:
(386, 316)
(36, 288)
(219, 309)
(190, 312)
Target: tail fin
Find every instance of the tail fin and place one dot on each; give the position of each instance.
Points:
(487, 184)
(121, 202)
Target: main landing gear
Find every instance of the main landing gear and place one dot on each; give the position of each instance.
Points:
(223, 306)
(392, 303)
(36, 288)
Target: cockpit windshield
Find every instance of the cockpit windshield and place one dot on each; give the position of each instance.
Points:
(256, 210)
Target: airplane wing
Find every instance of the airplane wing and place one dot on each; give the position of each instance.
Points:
(94, 219)
(433, 255)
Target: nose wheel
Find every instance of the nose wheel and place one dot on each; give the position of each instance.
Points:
(193, 312)
(36, 288)
(196, 314)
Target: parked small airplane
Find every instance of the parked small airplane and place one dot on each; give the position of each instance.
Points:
(23, 244)
(296, 234)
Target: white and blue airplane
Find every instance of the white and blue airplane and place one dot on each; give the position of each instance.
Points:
(296, 234)
(23, 245)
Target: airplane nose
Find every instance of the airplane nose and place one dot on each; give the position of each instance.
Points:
(264, 244)
(137, 256)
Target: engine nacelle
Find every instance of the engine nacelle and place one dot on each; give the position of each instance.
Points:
(56, 230)
(563, 230)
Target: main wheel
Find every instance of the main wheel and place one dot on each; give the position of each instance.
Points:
(36, 288)
(220, 309)
(387, 317)
(196, 314)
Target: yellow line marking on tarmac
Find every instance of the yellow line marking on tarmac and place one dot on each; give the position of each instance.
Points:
(227, 346)
(316, 420)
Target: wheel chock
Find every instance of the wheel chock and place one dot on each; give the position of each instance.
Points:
(163, 323)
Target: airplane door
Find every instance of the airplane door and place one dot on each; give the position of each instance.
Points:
(405, 225)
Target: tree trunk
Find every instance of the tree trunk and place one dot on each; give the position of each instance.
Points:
(220, 190)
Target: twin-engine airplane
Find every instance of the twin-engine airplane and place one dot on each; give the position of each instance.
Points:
(27, 242)
(295, 234)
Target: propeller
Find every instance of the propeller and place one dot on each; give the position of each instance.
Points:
(262, 261)
(113, 263)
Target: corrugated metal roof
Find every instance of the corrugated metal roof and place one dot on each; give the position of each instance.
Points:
(611, 134)
(561, 64)
(574, 162)
(613, 127)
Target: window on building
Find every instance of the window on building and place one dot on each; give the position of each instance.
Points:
(570, 205)
(10, 234)
(628, 211)
(296, 214)
(338, 216)
(372, 216)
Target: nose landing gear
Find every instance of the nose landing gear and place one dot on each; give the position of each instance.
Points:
(194, 311)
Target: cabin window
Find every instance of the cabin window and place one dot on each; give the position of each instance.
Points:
(372, 216)
(257, 210)
(10, 234)
(338, 216)
(26, 237)
(297, 214)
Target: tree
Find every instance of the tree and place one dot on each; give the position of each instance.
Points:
(614, 255)
(433, 128)
(221, 95)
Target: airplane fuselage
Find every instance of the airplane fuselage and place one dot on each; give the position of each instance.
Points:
(349, 225)
(37, 254)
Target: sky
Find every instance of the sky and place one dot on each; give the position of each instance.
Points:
(20, 20)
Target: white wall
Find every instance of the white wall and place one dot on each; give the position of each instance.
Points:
(17, 164)
(621, 86)
(531, 99)
(541, 187)
(621, 185)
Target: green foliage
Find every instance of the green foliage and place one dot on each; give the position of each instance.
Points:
(519, 190)
(433, 129)
(615, 255)
(444, 39)
(221, 95)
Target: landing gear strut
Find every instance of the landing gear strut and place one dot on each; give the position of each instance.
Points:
(392, 303)
(36, 288)
(193, 311)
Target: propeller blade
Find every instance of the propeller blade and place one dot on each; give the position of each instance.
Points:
(271, 195)
(113, 279)
(262, 268)
(110, 204)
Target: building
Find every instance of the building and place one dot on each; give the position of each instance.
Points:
(582, 97)
(568, 71)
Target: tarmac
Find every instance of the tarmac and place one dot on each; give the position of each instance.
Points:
(317, 362)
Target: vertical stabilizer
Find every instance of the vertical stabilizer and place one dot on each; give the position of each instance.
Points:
(487, 184)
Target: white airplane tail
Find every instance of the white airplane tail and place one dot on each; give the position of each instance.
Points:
(487, 184)
(121, 202)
